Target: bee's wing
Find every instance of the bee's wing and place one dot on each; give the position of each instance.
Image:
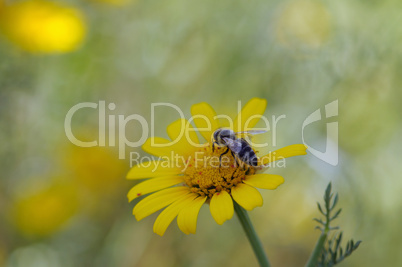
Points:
(249, 133)
(234, 145)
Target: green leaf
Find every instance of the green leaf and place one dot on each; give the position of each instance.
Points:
(336, 215)
(334, 202)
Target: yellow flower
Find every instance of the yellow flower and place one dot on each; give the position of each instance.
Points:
(305, 22)
(46, 211)
(184, 185)
(40, 26)
(91, 172)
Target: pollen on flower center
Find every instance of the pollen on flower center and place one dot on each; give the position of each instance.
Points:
(207, 173)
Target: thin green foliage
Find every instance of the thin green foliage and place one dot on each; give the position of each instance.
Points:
(328, 252)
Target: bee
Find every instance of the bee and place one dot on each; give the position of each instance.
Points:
(238, 147)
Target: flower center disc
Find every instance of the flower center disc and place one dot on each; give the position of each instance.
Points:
(210, 171)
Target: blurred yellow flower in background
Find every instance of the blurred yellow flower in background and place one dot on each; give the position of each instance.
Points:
(202, 177)
(96, 169)
(46, 211)
(96, 173)
(40, 26)
(304, 21)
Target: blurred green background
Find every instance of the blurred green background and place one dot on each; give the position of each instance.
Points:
(63, 205)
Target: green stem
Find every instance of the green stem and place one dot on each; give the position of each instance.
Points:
(251, 235)
(313, 260)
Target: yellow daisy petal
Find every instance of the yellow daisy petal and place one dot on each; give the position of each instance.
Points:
(153, 185)
(158, 200)
(153, 168)
(285, 152)
(183, 135)
(187, 218)
(160, 147)
(264, 180)
(221, 207)
(247, 196)
(167, 215)
(203, 115)
(250, 114)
